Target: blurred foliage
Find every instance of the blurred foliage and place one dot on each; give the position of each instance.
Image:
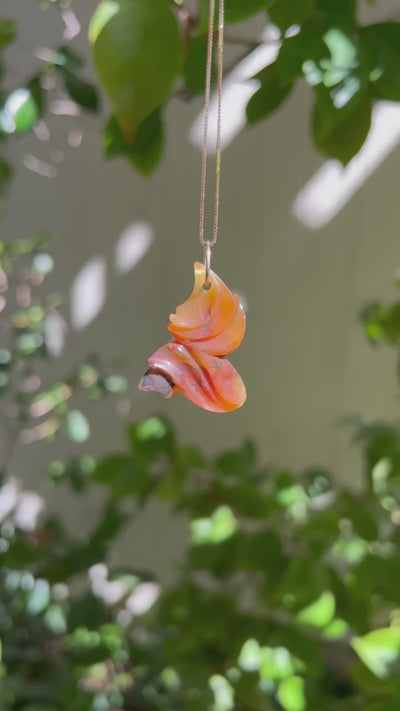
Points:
(287, 598)
(32, 334)
(24, 106)
(143, 61)
(147, 54)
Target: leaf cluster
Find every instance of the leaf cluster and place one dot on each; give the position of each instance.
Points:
(287, 597)
(347, 65)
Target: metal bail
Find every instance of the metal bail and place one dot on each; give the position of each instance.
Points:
(207, 265)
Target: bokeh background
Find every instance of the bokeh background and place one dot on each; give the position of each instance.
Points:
(305, 243)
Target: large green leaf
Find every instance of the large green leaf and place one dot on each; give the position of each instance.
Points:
(380, 651)
(276, 663)
(291, 694)
(296, 51)
(320, 613)
(336, 13)
(152, 437)
(214, 530)
(20, 111)
(80, 91)
(272, 92)
(124, 476)
(145, 151)
(342, 119)
(137, 52)
(194, 70)
(380, 48)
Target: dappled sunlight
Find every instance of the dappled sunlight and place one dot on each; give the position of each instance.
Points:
(29, 507)
(56, 333)
(143, 598)
(133, 243)
(88, 293)
(42, 131)
(89, 289)
(41, 167)
(23, 507)
(109, 591)
(75, 137)
(239, 87)
(65, 107)
(332, 187)
(72, 25)
(8, 498)
(140, 597)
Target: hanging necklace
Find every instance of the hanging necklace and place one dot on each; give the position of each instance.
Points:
(211, 323)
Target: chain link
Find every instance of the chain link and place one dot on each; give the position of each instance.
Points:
(208, 243)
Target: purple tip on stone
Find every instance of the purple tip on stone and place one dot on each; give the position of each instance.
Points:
(153, 382)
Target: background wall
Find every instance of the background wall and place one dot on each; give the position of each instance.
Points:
(304, 360)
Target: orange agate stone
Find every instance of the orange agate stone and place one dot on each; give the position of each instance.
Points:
(206, 328)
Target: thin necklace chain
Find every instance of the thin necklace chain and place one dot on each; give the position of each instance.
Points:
(220, 70)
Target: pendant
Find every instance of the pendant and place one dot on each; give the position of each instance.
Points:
(206, 328)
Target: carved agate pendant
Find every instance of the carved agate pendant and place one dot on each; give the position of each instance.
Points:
(206, 328)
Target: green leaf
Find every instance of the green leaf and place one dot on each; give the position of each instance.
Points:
(380, 651)
(39, 598)
(137, 52)
(363, 521)
(8, 32)
(246, 498)
(381, 323)
(194, 70)
(152, 437)
(55, 619)
(66, 57)
(238, 463)
(320, 613)
(108, 528)
(368, 682)
(223, 693)
(216, 529)
(286, 13)
(297, 51)
(380, 51)
(341, 119)
(276, 663)
(336, 13)
(146, 150)
(291, 694)
(124, 476)
(6, 174)
(250, 656)
(37, 93)
(336, 630)
(113, 467)
(78, 427)
(342, 49)
(235, 11)
(304, 581)
(272, 92)
(20, 112)
(83, 93)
